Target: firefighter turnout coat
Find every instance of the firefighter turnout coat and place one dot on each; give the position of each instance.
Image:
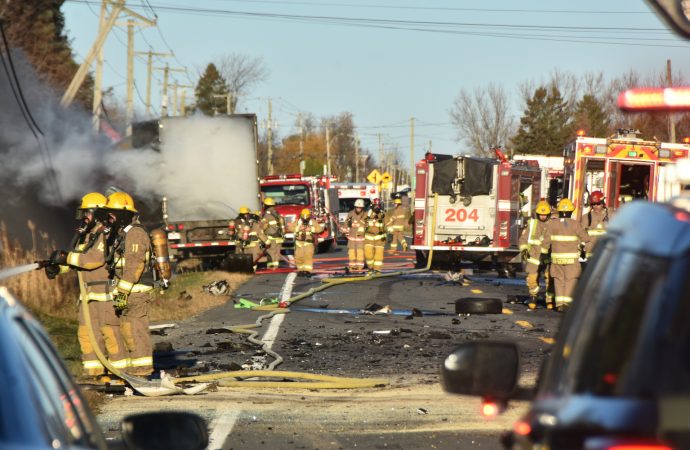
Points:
(355, 224)
(305, 232)
(564, 236)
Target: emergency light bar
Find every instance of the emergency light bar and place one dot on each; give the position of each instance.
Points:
(655, 99)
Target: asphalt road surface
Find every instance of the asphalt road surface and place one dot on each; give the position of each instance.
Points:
(364, 330)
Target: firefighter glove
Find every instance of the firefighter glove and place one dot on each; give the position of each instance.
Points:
(545, 258)
(52, 270)
(120, 300)
(525, 255)
(583, 253)
(58, 258)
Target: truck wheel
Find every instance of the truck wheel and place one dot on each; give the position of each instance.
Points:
(478, 305)
(421, 259)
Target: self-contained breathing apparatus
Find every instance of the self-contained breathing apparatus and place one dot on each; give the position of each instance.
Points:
(458, 185)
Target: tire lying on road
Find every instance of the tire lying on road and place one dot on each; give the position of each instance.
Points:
(478, 305)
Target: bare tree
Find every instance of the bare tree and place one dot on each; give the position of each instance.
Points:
(482, 118)
(242, 72)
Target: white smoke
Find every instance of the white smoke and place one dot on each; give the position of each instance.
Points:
(206, 167)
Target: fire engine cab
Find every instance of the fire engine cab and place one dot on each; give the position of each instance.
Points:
(292, 193)
(480, 205)
(624, 167)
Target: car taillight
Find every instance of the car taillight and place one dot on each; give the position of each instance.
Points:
(522, 428)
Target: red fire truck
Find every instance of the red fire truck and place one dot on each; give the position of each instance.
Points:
(480, 205)
(292, 193)
(624, 167)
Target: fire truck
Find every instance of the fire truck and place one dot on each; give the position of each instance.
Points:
(292, 193)
(624, 167)
(479, 205)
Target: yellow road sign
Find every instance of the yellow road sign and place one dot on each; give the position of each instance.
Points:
(386, 177)
(374, 176)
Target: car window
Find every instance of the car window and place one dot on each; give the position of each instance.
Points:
(53, 399)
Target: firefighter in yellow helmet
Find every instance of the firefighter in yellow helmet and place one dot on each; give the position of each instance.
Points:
(565, 237)
(272, 232)
(355, 222)
(374, 237)
(535, 261)
(130, 263)
(87, 256)
(397, 219)
(306, 230)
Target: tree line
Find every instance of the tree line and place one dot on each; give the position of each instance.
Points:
(554, 110)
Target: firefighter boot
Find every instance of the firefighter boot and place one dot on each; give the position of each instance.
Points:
(532, 303)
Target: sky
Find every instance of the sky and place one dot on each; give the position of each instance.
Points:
(384, 61)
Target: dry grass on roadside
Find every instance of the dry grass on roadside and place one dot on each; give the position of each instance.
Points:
(56, 297)
(185, 297)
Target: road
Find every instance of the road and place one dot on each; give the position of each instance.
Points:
(329, 334)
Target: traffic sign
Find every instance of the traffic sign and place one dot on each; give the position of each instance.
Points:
(386, 178)
(374, 176)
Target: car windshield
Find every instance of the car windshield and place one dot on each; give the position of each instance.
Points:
(288, 194)
(628, 335)
(347, 204)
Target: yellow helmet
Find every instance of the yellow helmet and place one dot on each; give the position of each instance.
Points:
(257, 213)
(268, 201)
(121, 200)
(565, 205)
(305, 214)
(93, 200)
(543, 208)
(397, 201)
(244, 210)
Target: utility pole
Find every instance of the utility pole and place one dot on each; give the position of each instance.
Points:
(177, 101)
(164, 98)
(356, 158)
(671, 117)
(328, 149)
(380, 153)
(98, 82)
(149, 74)
(301, 144)
(412, 161)
(269, 136)
(130, 67)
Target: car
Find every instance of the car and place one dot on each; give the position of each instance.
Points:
(618, 376)
(41, 406)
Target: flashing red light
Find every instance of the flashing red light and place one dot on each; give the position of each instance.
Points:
(639, 447)
(429, 157)
(610, 378)
(372, 190)
(490, 409)
(522, 428)
(580, 132)
(655, 99)
(686, 140)
(180, 226)
(171, 227)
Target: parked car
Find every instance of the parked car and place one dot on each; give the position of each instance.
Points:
(619, 374)
(41, 406)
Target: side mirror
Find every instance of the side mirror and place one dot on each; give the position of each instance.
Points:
(674, 14)
(164, 430)
(486, 369)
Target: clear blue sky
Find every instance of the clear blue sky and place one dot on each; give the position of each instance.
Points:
(384, 76)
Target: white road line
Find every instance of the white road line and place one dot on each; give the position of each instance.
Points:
(222, 426)
(277, 320)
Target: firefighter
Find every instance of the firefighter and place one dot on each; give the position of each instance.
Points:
(132, 277)
(88, 257)
(247, 237)
(565, 236)
(354, 229)
(530, 247)
(374, 237)
(595, 221)
(272, 232)
(306, 230)
(395, 225)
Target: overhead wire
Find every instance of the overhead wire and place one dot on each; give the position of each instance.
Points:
(16, 88)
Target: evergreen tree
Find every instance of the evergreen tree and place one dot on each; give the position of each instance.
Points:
(590, 116)
(211, 92)
(545, 126)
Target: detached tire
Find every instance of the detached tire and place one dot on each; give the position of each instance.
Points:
(477, 305)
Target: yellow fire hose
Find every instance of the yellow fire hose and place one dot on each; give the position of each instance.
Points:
(229, 379)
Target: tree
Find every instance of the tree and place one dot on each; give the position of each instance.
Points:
(589, 115)
(211, 92)
(482, 118)
(545, 126)
(37, 28)
(241, 72)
